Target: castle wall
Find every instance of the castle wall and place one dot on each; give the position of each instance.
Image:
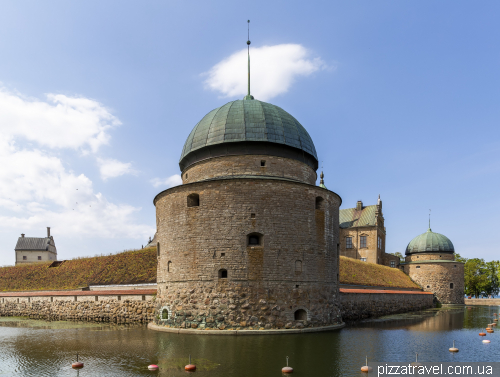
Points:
(359, 303)
(118, 307)
(437, 277)
(250, 165)
(294, 267)
(417, 257)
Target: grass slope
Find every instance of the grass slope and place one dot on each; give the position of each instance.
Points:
(130, 267)
(353, 271)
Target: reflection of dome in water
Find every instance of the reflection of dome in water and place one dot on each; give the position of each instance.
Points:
(430, 242)
(248, 127)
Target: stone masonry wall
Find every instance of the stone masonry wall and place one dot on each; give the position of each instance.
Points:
(429, 256)
(295, 265)
(118, 309)
(436, 277)
(357, 306)
(249, 165)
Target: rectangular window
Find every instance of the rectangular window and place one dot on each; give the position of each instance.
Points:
(362, 259)
(348, 243)
(25, 257)
(363, 241)
(393, 263)
(39, 257)
(380, 243)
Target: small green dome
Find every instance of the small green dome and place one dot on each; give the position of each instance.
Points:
(248, 127)
(430, 242)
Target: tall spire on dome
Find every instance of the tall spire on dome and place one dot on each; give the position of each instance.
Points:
(248, 96)
(429, 230)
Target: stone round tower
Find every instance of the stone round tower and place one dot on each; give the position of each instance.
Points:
(248, 241)
(430, 262)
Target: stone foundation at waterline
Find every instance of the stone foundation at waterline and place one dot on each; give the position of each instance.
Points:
(236, 306)
(98, 307)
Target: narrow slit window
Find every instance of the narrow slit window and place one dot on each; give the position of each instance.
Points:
(451, 285)
(263, 163)
(169, 266)
(298, 266)
(319, 202)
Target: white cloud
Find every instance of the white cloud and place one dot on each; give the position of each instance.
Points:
(110, 168)
(273, 70)
(174, 180)
(58, 122)
(37, 189)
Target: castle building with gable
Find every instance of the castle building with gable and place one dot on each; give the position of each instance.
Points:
(35, 249)
(363, 233)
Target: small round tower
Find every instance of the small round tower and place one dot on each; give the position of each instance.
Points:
(248, 241)
(430, 262)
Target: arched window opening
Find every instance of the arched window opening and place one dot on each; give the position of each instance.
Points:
(451, 285)
(319, 202)
(193, 200)
(300, 315)
(222, 273)
(254, 239)
(169, 266)
(298, 266)
(158, 249)
(164, 313)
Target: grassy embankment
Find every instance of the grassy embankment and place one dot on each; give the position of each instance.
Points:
(353, 271)
(139, 266)
(130, 267)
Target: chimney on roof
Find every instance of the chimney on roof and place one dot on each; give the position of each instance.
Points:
(48, 231)
(22, 235)
(359, 205)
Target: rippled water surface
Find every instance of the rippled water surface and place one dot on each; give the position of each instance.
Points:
(39, 348)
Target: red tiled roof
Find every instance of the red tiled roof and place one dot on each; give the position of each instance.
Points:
(118, 292)
(347, 290)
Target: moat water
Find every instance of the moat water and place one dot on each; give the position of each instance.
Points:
(39, 348)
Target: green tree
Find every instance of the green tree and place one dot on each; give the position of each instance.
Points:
(492, 268)
(476, 277)
(458, 258)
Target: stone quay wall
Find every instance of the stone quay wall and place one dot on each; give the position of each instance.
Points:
(123, 306)
(364, 303)
(483, 301)
(206, 259)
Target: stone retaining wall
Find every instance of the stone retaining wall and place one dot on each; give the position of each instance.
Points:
(482, 301)
(364, 303)
(112, 306)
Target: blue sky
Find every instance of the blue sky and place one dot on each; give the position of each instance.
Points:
(98, 98)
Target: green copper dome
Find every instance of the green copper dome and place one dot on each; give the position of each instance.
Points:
(248, 127)
(430, 242)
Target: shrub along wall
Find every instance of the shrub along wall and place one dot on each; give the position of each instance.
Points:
(130, 267)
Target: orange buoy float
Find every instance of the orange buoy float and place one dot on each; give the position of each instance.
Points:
(366, 368)
(482, 334)
(495, 320)
(190, 367)
(153, 367)
(287, 369)
(490, 331)
(77, 365)
(453, 349)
